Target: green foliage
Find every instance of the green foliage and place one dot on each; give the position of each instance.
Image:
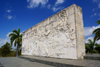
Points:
(16, 38)
(92, 47)
(97, 48)
(5, 50)
(98, 22)
(89, 47)
(97, 32)
(97, 37)
(12, 54)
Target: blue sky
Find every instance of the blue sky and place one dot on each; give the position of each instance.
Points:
(24, 14)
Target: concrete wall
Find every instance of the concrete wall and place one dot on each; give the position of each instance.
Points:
(60, 36)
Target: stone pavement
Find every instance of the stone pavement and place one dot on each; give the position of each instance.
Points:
(1, 65)
(18, 62)
(63, 62)
(92, 57)
(39, 61)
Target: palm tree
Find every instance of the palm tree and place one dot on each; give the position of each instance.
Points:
(16, 38)
(97, 32)
(89, 46)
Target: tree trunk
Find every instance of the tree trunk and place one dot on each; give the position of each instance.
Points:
(17, 51)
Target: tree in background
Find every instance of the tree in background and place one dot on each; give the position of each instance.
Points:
(5, 49)
(89, 46)
(97, 47)
(16, 38)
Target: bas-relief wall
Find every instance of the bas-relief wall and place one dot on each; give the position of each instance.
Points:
(53, 37)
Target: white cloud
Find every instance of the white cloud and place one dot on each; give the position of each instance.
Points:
(99, 14)
(88, 30)
(91, 15)
(93, 10)
(95, 14)
(49, 6)
(59, 2)
(98, 2)
(98, 41)
(9, 17)
(8, 34)
(55, 9)
(99, 5)
(91, 38)
(3, 41)
(36, 3)
(8, 11)
(94, 0)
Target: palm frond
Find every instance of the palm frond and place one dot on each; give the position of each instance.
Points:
(96, 30)
(12, 34)
(20, 35)
(90, 41)
(19, 31)
(98, 22)
(97, 36)
(13, 38)
(15, 31)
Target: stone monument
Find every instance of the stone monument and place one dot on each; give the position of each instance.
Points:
(59, 36)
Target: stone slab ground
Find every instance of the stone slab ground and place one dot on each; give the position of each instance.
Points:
(92, 57)
(18, 62)
(63, 62)
(40, 61)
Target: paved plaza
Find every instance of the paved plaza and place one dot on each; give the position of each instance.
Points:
(18, 62)
(64, 62)
(40, 61)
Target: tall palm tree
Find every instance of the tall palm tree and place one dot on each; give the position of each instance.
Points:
(97, 32)
(16, 38)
